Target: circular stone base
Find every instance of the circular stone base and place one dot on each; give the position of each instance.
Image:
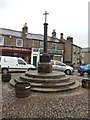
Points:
(53, 74)
(48, 82)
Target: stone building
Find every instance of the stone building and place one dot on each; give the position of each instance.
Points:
(30, 46)
(85, 53)
(76, 54)
(72, 52)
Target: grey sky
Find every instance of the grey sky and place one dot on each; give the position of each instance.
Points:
(65, 16)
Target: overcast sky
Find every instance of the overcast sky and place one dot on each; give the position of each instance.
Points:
(69, 17)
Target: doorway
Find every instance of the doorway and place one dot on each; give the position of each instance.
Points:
(35, 61)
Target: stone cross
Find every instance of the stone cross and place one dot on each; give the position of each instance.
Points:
(45, 16)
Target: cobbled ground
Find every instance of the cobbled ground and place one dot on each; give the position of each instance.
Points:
(74, 104)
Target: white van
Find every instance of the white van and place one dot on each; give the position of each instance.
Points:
(8, 63)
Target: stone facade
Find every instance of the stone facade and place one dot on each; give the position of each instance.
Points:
(85, 55)
(76, 56)
(61, 49)
(68, 51)
(17, 39)
(71, 52)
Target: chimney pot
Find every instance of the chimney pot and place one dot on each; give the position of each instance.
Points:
(61, 35)
(54, 34)
(25, 29)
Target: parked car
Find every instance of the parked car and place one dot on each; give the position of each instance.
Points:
(8, 63)
(58, 65)
(84, 70)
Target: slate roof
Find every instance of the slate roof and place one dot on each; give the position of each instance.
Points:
(10, 32)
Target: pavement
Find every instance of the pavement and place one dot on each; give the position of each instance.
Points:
(73, 104)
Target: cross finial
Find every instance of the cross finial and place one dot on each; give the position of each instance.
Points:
(45, 16)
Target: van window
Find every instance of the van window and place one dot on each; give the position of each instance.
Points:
(21, 62)
(52, 62)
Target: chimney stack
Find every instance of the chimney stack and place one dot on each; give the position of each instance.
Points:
(53, 34)
(25, 29)
(61, 35)
(70, 39)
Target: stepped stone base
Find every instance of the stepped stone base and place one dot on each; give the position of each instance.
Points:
(47, 82)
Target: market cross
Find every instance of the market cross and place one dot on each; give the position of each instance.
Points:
(45, 16)
(44, 65)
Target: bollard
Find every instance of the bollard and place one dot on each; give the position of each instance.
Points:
(86, 83)
(6, 77)
(22, 89)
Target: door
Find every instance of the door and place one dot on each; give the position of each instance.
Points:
(35, 61)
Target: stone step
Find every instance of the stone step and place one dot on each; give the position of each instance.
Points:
(74, 86)
(46, 89)
(39, 86)
(51, 82)
(41, 80)
(48, 85)
(53, 74)
(70, 82)
(12, 82)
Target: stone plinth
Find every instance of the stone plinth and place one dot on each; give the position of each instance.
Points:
(44, 67)
(45, 57)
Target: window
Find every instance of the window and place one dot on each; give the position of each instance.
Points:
(5, 60)
(54, 46)
(21, 62)
(19, 43)
(1, 40)
(59, 63)
(52, 62)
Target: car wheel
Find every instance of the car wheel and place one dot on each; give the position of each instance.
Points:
(68, 72)
(85, 74)
(4, 71)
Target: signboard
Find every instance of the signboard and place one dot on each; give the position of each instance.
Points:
(50, 51)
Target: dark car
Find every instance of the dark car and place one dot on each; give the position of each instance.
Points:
(84, 70)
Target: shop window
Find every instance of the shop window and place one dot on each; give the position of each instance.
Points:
(19, 43)
(1, 40)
